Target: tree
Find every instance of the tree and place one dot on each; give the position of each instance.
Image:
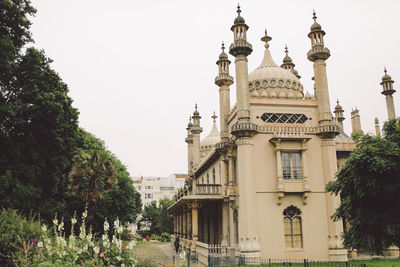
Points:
(369, 186)
(92, 174)
(121, 200)
(38, 137)
(160, 218)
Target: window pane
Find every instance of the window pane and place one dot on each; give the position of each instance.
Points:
(296, 225)
(288, 241)
(287, 226)
(286, 165)
(297, 242)
(296, 164)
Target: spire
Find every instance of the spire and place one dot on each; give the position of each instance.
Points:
(339, 114)
(377, 128)
(287, 61)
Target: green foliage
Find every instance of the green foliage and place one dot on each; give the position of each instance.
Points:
(160, 218)
(52, 248)
(165, 236)
(120, 201)
(17, 234)
(38, 125)
(369, 185)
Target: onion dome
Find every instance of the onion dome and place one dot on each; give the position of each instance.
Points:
(270, 80)
(287, 59)
(338, 106)
(316, 26)
(239, 19)
(196, 112)
(208, 143)
(386, 77)
(190, 124)
(223, 55)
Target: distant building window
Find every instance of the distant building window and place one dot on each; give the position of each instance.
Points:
(139, 188)
(292, 227)
(148, 187)
(291, 165)
(148, 196)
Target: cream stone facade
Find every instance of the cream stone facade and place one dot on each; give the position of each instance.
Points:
(156, 188)
(257, 188)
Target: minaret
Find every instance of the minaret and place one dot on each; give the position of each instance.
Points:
(196, 130)
(388, 91)
(318, 54)
(355, 122)
(224, 80)
(339, 114)
(288, 64)
(244, 129)
(377, 128)
(327, 131)
(189, 141)
(240, 49)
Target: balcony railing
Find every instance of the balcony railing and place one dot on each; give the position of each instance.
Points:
(208, 189)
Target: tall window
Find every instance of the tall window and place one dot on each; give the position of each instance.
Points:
(148, 187)
(291, 165)
(148, 196)
(292, 227)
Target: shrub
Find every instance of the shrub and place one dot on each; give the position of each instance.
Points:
(154, 237)
(19, 237)
(165, 236)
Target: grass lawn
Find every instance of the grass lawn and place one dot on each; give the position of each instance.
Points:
(151, 254)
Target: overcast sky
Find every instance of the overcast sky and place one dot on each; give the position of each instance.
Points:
(136, 68)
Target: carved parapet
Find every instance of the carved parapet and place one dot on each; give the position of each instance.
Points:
(223, 79)
(240, 47)
(328, 131)
(318, 52)
(244, 129)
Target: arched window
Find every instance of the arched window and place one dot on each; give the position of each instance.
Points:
(208, 179)
(292, 227)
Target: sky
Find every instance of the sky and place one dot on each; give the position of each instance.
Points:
(135, 69)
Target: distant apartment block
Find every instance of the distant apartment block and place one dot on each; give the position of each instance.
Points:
(156, 188)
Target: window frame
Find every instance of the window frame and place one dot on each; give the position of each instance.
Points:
(295, 165)
(290, 214)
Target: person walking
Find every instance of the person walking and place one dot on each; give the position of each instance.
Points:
(176, 244)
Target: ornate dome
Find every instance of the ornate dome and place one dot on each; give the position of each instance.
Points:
(213, 138)
(277, 81)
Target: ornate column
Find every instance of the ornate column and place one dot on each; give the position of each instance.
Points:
(336, 250)
(189, 141)
(195, 205)
(196, 130)
(377, 128)
(224, 80)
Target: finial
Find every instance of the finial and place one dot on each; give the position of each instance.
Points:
(266, 39)
(214, 116)
(337, 101)
(314, 16)
(195, 106)
(286, 50)
(238, 9)
(223, 46)
(190, 118)
(385, 70)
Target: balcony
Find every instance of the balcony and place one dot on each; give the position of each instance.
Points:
(208, 189)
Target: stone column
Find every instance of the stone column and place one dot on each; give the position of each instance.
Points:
(184, 223)
(231, 226)
(189, 223)
(355, 122)
(390, 107)
(377, 128)
(321, 87)
(224, 175)
(225, 221)
(335, 229)
(195, 223)
(248, 239)
(231, 171)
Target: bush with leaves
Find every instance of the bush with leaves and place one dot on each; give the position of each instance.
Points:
(18, 235)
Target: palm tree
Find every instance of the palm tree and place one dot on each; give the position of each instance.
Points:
(92, 173)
